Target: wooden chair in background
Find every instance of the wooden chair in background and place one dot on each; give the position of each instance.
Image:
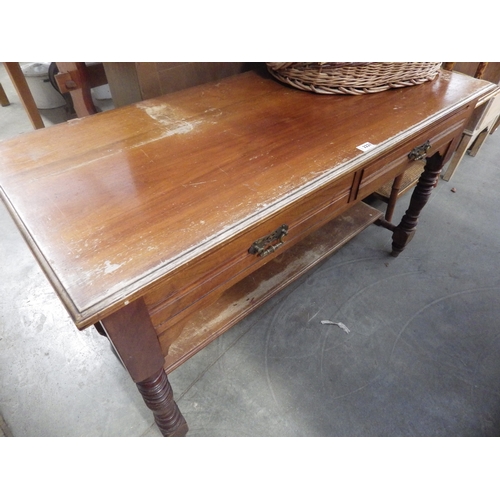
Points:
(77, 79)
(4, 100)
(23, 91)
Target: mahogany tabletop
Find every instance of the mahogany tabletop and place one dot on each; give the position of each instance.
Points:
(112, 203)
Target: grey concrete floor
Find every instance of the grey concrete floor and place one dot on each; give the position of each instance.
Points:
(420, 358)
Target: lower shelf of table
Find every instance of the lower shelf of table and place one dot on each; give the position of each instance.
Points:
(244, 297)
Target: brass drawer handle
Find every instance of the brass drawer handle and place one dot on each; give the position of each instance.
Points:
(263, 246)
(420, 152)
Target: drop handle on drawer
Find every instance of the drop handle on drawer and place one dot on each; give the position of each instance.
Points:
(420, 152)
(264, 246)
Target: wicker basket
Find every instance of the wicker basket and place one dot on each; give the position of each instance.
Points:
(353, 78)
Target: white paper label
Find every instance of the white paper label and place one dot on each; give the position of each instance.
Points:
(366, 146)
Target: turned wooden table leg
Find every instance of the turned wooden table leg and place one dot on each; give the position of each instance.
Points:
(158, 396)
(134, 338)
(405, 231)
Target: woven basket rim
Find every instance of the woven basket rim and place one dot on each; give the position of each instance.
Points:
(353, 78)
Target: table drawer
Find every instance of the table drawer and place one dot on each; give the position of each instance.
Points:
(208, 276)
(388, 167)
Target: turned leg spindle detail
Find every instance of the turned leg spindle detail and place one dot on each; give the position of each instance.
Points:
(405, 231)
(134, 338)
(158, 396)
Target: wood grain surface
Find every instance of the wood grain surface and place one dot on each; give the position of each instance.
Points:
(113, 203)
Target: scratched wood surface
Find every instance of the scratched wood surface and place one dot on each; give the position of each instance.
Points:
(111, 203)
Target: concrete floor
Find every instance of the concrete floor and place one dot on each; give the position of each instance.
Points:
(420, 358)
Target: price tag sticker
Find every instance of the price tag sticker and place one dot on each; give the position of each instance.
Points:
(365, 147)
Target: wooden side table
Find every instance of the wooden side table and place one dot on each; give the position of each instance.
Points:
(165, 222)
